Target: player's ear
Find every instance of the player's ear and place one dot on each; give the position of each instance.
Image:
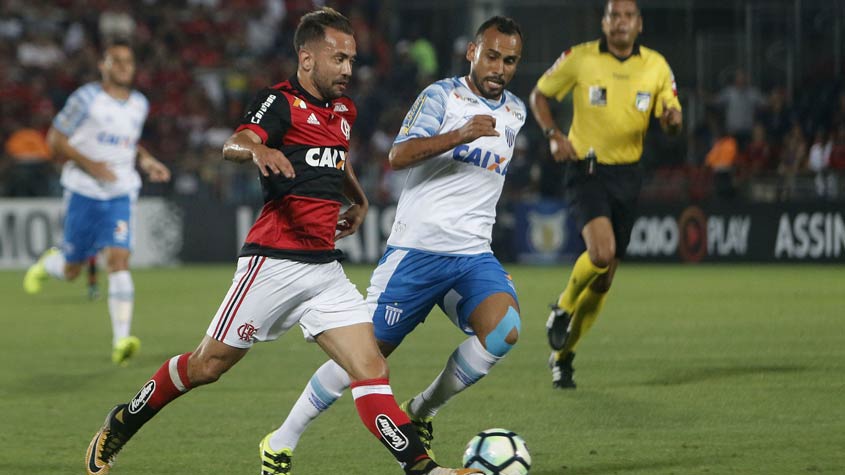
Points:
(306, 59)
(471, 47)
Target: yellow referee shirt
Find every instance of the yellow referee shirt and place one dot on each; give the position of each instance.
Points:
(612, 98)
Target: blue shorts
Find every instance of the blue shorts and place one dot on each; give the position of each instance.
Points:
(408, 283)
(91, 225)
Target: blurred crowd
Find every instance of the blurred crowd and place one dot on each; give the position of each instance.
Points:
(766, 146)
(200, 61)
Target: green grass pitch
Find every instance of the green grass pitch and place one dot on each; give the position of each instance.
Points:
(689, 370)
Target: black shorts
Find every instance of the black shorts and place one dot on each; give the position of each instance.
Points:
(612, 191)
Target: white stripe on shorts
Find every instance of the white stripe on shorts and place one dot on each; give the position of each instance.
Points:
(381, 276)
(360, 391)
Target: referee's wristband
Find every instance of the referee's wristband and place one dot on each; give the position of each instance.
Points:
(549, 131)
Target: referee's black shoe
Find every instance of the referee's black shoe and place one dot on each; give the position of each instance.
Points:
(562, 371)
(557, 327)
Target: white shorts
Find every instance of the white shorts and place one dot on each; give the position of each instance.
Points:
(268, 296)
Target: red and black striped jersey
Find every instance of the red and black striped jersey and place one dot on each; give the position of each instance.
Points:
(299, 217)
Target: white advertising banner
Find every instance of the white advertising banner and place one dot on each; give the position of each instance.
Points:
(28, 226)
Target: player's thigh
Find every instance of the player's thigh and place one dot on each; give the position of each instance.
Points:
(82, 217)
(625, 191)
(482, 296)
(587, 198)
(263, 302)
(404, 288)
(333, 302)
(114, 228)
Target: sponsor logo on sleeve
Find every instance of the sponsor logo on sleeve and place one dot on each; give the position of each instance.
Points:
(265, 106)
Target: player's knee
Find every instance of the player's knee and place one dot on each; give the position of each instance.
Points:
(116, 264)
(374, 368)
(206, 370)
(603, 255)
(499, 341)
(72, 272)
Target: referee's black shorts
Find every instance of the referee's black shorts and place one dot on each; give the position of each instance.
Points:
(611, 191)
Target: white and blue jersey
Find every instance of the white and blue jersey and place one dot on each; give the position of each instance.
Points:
(457, 190)
(103, 129)
(439, 248)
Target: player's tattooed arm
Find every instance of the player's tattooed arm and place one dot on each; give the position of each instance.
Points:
(350, 220)
(410, 152)
(61, 147)
(246, 145)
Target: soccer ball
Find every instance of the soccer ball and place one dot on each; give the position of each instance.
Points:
(498, 452)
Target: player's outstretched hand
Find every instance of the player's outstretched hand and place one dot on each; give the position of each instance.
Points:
(561, 148)
(270, 160)
(478, 126)
(157, 171)
(350, 220)
(99, 170)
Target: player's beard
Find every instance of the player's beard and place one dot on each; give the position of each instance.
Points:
(326, 86)
(114, 79)
(480, 85)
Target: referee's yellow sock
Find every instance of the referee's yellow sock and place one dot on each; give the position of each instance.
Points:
(587, 310)
(583, 273)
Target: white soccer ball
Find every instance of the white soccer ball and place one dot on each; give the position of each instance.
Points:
(498, 452)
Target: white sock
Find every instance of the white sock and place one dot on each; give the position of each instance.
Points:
(121, 301)
(468, 363)
(326, 386)
(54, 264)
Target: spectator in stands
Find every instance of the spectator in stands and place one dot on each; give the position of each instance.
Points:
(777, 118)
(836, 163)
(31, 172)
(818, 162)
(721, 160)
(758, 155)
(116, 22)
(740, 102)
(40, 51)
(792, 157)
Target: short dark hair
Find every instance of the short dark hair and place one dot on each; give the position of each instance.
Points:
(117, 41)
(504, 24)
(607, 5)
(312, 26)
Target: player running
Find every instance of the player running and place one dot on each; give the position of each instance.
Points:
(297, 133)
(98, 131)
(457, 141)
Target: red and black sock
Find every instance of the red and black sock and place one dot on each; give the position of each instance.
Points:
(382, 416)
(167, 384)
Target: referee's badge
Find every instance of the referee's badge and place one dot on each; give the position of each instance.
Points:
(643, 101)
(598, 96)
